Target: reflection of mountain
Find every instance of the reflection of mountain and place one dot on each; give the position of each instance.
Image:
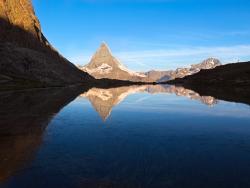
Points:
(103, 100)
(23, 118)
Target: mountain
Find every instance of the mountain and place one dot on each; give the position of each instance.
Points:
(104, 65)
(209, 63)
(162, 76)
(157, 75)
(27, 58)
(229, 82)
(235, 74)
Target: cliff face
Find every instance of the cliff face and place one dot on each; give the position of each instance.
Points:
(27, 58)
(20, 13)
(19, 20)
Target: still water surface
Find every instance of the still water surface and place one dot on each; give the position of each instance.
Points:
(128, 137)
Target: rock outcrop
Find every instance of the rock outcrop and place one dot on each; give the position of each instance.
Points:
(162, 76)
(18, 19)
(27, 58)
(104, 65)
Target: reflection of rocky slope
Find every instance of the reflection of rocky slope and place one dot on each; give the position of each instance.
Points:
(161, 76)
(103, 100)
(181, 91)
(104, 65)
(27, 58)
(23, 119)
(228, 82)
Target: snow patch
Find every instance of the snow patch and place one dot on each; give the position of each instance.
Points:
(103, 94)
(102, 69)
(132, 73)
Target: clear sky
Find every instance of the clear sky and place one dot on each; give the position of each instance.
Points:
(148, 34)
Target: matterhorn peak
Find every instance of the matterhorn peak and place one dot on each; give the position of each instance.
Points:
(102, 53)
(104, 45)
(104, 65)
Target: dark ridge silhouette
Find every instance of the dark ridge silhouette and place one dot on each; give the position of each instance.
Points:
(229, 82)
(27, 63)
(24, 116)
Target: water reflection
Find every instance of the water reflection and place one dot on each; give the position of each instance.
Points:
(145, 150)
(24, 117)
(103, 100)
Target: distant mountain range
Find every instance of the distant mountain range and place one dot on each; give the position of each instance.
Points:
(162, 76)
(104, 65)
(229, 82)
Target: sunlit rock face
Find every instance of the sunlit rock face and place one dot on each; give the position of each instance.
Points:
(27, 58)
(104, 65)
(103, 100)
(19, 17)
(162, 76)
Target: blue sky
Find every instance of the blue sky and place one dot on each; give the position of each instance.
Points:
(148, 34)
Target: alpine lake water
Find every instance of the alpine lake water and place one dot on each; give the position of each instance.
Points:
(130, 137)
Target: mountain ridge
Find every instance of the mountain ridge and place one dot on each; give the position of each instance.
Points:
(27, 58)
(162, 76)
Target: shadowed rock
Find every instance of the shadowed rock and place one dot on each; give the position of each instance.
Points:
(27, 58)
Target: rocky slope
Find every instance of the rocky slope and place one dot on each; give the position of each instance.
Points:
(229, 82)
(27, 58)
(161, 76)
(104, 65)
(235, 74)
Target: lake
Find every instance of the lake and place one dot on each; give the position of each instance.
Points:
(155, 136)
